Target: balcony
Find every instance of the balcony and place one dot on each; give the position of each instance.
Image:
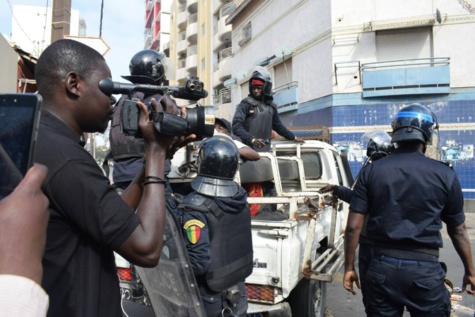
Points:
(182, 16)
(149, 5)
(225, 64)
(182, 44)
(192, 6)
(181, 72)
(223, 97)
(148, 34)
(406, 77)
(216, 5)
(224, 30)
(192, 28)
(286, 97)
(192, 58)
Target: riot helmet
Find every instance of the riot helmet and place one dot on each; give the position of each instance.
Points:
(148, 67)
(379, 144)
(414, 122)
(260, 74)
(217, 162)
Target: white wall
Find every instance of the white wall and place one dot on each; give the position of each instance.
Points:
(9, 66)
(288, 23)
(36, 22)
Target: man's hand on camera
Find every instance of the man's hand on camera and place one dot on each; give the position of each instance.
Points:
(181, 140)
(147, 129)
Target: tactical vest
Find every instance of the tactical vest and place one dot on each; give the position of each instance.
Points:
(230, 232)
(124, 146)
(259, 124)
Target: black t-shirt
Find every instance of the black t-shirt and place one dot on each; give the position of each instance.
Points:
(88, 220)
(407, 196)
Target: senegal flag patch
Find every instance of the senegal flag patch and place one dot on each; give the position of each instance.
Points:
(193, 230)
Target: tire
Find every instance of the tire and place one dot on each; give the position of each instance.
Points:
(308, 299)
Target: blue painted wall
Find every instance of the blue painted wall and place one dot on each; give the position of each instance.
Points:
(351, 110)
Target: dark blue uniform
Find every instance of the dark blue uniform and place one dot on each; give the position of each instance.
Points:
(407, 196)
(257, 119)
(206, 247)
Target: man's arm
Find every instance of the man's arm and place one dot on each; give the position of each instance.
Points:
(238, 121)
(461, 242)
(197, 241)
(352, 234)
(144, 245)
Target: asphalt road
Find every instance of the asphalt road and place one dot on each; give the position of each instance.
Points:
(341, 303)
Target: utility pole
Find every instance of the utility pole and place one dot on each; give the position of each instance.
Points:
(61, 19)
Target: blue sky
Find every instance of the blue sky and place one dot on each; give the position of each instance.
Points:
(122, 26)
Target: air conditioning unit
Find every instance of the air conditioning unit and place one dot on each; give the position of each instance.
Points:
(246, 34)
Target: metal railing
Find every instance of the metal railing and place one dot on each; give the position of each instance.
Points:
(404, 63)
(192, 50)
(193, 18)
(286, 86)
(224, 96)
(225, 53)
(227, 9)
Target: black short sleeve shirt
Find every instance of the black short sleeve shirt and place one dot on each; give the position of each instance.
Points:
(88, 220)
(407, 196)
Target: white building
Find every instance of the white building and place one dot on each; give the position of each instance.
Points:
(351, 64)
(31, 27)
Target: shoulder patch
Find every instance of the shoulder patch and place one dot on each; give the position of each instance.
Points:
(251, 111)
(193, 230)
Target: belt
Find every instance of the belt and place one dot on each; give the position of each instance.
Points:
(389, 259)
(406, 254)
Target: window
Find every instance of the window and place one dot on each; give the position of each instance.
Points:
(404, 43)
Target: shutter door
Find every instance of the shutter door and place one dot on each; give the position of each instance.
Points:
(404, 43)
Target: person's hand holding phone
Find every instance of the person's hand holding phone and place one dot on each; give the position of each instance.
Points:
(23, 220)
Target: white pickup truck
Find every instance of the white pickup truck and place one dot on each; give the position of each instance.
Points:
(295, 256)
(298, 246)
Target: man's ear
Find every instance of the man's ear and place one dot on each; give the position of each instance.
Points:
(72, 84)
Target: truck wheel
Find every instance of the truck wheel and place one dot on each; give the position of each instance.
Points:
(308, 299)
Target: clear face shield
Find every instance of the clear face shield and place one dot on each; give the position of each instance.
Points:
(169, 69)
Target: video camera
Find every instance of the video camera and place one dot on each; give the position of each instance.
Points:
(199, 120)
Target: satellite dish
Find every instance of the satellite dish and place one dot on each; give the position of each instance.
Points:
(283, 51)
(438, 17)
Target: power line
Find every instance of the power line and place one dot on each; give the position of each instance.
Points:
(100, 24)
(13, 16)
(44, 27)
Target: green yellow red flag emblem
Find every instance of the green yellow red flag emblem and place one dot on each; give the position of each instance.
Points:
(193, 230)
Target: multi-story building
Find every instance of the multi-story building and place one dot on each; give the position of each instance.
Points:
(157, 24)
(352, 64)
(200, 45)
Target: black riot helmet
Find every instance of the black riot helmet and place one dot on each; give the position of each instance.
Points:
(147, 67)
(261, 74)
(379, 144)
(218, 162)
(414, 122)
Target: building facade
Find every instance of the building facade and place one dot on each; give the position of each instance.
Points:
(351, 65)
(157, 24)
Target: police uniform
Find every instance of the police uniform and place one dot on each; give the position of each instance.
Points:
(216, 224)
(255, 119)
(407, 196)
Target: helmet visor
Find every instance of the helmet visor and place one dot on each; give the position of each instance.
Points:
(421, 121)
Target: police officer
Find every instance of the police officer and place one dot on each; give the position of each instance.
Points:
(406, 197)
(217, 229)
(127, 152)
(256, 116)
(146, 67)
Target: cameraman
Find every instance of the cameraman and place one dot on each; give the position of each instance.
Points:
(127, 152)
(88, 219)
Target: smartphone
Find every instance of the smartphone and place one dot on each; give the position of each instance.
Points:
(19, 121)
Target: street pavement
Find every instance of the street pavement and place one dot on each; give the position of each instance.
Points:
(341, 303)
